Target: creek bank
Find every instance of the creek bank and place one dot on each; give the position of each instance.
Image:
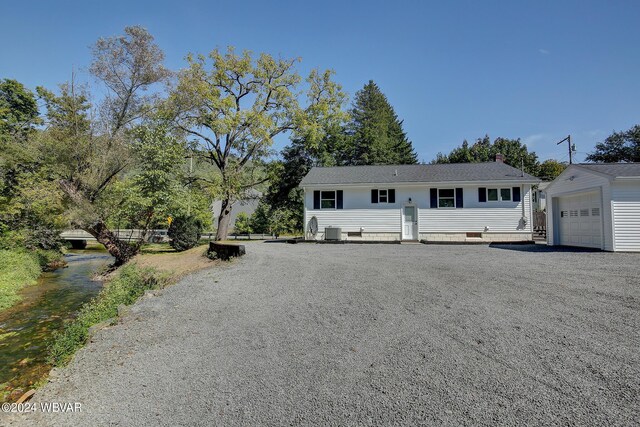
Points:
(42, 307)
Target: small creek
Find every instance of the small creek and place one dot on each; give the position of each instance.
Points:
(27, 327)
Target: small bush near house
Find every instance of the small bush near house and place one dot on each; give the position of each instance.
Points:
(184, 232)
(130, 283)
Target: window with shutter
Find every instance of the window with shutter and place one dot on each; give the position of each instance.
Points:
(434, 198)
(316, 199)
(383, 195)
(446, 198)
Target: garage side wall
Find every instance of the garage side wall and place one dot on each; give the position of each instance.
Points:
(625, 201)
(571, 182)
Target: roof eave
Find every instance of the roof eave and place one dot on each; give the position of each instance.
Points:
(422, 183)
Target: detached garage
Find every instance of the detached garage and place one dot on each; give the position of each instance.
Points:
(595, 206)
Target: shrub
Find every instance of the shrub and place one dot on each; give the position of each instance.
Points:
(129, 284)
(184, 232)
(243, 224)
(44, 238)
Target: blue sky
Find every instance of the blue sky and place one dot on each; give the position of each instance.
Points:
(455, 70)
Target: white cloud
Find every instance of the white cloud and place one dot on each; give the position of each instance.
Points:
(531, 140)
(544, 51)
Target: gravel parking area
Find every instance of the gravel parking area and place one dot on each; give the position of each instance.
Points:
(375, 335)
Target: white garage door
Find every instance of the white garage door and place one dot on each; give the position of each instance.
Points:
(581, 220)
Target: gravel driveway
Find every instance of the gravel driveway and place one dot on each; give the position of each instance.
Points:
(371, 334)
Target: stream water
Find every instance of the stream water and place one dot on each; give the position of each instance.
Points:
(27, 327)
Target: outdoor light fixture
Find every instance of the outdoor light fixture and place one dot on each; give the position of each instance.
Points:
(409, 199)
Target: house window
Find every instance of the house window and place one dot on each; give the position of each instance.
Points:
(499, 194)
(327, 200)
(446, 198)
(383, 196)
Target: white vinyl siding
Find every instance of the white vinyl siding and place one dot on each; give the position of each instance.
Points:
(571, 182)
(358, 212)
(498, 217)
(626, 216)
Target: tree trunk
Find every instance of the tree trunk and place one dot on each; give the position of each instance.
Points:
(120, 250)
(224, 219)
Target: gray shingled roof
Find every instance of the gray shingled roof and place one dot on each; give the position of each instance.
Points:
(452, 172)
(626, 170)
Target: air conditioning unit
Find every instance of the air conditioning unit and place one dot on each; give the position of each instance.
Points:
(332, 233)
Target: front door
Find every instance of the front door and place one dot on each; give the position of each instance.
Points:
(409, 223)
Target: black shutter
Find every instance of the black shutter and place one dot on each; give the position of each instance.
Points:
(515, 196)
(339, 199)
(459, 201)
(374, 196)
(482, 194)
(434, 198)
(316, 199)
(391, 194)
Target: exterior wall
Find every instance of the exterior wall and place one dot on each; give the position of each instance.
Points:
(573, 181)
(477, 217)
(626, 216)
(495, 220)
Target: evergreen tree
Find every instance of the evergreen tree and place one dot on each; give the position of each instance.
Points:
(376, 132)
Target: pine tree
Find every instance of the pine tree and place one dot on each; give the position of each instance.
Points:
(376, 132)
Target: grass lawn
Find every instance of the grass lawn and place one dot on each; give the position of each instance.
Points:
(163, 258)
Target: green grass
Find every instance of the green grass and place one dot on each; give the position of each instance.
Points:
(17, 269)
(125, 288)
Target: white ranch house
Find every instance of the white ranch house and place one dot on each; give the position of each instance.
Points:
(595, 206)
(442, 202)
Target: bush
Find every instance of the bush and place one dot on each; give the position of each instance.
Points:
(243, 224)
(184, 232)
(130, 284)
(44, 238)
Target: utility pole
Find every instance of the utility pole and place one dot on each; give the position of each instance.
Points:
(571, 148)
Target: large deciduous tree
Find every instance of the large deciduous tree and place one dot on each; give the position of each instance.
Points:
(376, 131)
(618, 147)
(18, 110)
(128, 65)
(234, 105)
(30, 202)
(93, 155)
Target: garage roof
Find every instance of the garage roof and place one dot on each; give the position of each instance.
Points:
(615, 170)
(451, 172)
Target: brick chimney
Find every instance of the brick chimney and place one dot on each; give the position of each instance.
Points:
(499, 158)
